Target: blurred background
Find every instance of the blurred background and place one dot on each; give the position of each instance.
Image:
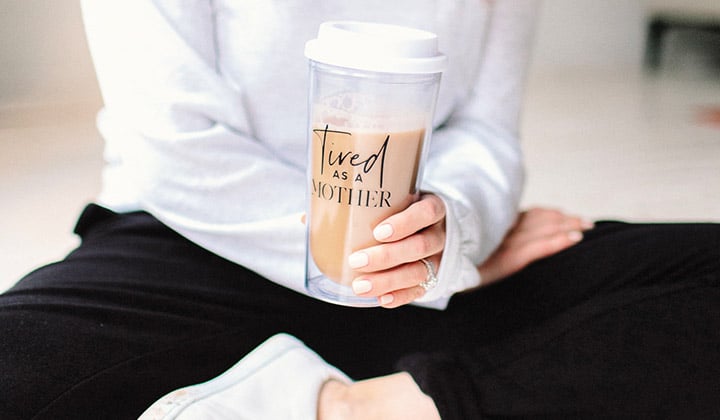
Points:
(617, 124)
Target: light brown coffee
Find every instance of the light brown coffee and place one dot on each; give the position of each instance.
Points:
(359, 178)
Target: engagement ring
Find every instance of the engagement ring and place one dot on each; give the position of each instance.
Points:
(431, 280)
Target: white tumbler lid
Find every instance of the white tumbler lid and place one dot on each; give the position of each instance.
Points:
(376, 47)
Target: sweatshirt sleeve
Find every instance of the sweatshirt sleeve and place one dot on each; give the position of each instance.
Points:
(175, 126)
(475, 162)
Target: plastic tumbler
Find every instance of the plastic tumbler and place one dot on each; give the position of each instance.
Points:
(372, 95)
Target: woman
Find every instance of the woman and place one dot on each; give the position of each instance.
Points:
(196, 255)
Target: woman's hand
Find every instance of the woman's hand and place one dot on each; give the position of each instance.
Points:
(392, 271)
(537, 233)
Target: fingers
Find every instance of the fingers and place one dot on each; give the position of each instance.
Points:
(392, 271)
(542, 232)
(546, 246)
(414, 233)
(538, 223)
(401, 297)
(422, 244)
(509, 259)
(537, 233)
(423, 213)
(395, 287)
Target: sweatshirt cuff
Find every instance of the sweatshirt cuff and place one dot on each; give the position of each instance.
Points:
(457, 271)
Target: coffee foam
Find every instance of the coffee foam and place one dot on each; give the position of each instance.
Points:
(358, 112)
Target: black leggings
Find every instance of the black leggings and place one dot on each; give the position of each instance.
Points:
(624, 324)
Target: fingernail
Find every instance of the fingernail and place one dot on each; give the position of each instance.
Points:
(587, 224)
(575, 236)
(361, 286)
(358, 259)
(383, 231)
(386, 299)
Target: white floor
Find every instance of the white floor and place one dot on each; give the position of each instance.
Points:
(623, 145)
(598, 143)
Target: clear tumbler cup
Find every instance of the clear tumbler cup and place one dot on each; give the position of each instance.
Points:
(373, 89)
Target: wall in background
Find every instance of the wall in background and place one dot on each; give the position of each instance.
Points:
(43, 53)
(607, 35)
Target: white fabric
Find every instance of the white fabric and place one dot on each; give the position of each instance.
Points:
(205, 113)
(280, 379)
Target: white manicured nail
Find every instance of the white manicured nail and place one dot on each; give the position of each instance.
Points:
(361, 286)
(386, 299)
(358, 259)
(587, 224)
(383, 231)
(575, 236)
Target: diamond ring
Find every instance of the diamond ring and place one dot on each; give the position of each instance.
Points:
(431, 280)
